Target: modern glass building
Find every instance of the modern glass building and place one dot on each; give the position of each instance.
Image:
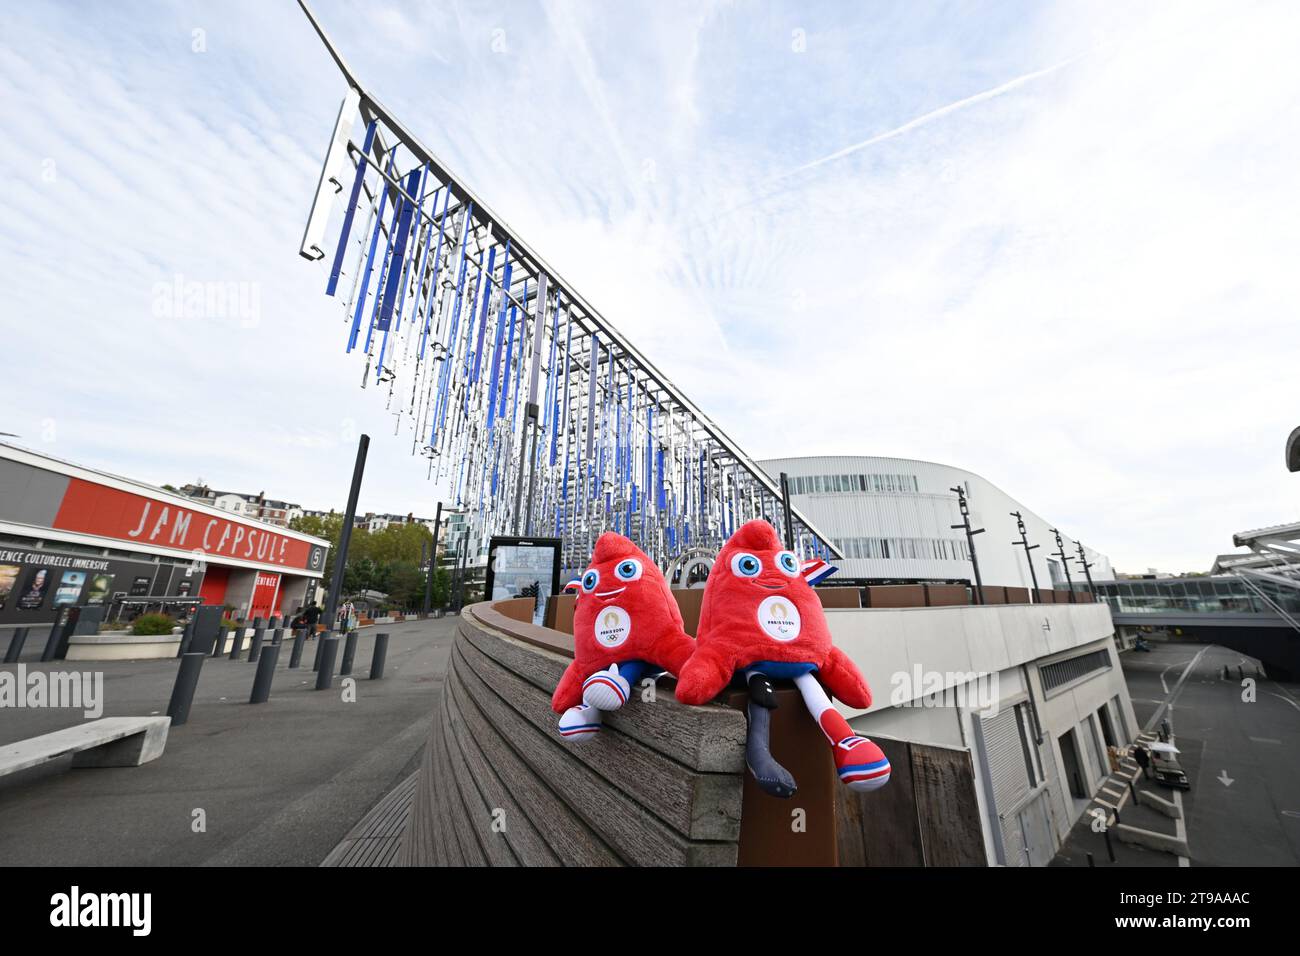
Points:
(1225, 594)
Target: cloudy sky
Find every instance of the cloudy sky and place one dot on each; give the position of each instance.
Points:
(1055, 244)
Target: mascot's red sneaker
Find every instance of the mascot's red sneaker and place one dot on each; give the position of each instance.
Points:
(861, 764)
(626, 626)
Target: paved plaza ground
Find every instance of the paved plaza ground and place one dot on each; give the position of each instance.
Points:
(283, 783)
(278, 783)
(1253, 819)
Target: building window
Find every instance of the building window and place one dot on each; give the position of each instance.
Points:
(853, 484)
(906, 549)
(1056, 674)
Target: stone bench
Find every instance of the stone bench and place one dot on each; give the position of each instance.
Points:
(107, 742)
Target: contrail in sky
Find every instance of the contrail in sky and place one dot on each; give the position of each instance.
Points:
(910, 125)
(936, 114)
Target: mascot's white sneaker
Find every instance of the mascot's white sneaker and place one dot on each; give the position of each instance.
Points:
(579, 723)
(606, 690)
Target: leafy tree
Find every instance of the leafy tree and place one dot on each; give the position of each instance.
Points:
(441, 587)
(387, 560)
(406, 585)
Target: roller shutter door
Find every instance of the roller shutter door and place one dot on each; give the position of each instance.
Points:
(1004, 756)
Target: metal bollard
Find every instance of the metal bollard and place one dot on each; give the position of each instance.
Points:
(238, 644)
(380, 657)
(52, 642)
(1110, 850)
(265, 672)
(325, 674)
(16, 643)
(187, 679)
(272, 624)
(1090, 861)
(349, 653)
(277, 636)
(320, 646)
(295, 657)
(255, 649)
(187, 636)
(219, 642)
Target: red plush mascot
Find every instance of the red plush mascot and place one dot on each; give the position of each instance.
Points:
(761, 617)
(626, 626)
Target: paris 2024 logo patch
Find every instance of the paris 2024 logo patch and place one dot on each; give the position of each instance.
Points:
(613, 626)
(779, 618)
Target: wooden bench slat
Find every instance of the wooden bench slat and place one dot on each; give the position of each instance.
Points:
(447, 845)
(699, 806)
(527, 845)
(709, 739)
(477, 818)
(631, 827)
(569, 837)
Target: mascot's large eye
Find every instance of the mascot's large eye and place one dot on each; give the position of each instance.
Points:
(628, 570)
(745, 565)
(788, 563)
(590, 580)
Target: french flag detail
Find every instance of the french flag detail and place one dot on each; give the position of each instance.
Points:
(575, 722)
(601, 678)
(868, 771)
(816, 570)
(870, 763)
(579, 729)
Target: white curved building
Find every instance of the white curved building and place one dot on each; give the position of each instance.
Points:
(892, 519)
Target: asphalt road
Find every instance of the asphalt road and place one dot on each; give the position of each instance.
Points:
(277, 784)
(1242, 755)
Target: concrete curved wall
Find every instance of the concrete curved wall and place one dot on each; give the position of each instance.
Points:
(908, 502)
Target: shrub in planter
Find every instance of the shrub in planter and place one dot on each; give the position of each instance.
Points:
(153, 624)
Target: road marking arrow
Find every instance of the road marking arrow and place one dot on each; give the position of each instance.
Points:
(1224, 779)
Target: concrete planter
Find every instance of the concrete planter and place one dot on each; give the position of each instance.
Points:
(123, 646)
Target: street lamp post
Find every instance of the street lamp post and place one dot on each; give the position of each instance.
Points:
(970, 540)
(785, 511)
(433, 562)
(1065, 562)
(462, 562)
(1087, 566)
(345, 533)
(1024, 543)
